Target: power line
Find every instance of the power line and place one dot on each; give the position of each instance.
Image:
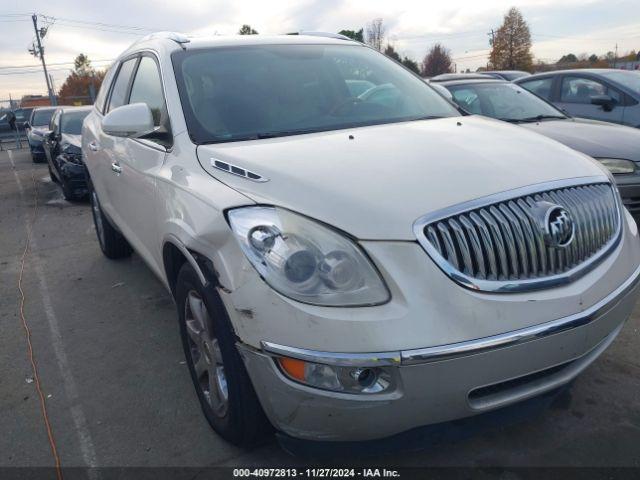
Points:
(8, 67)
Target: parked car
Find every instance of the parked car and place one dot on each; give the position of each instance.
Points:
(600, 94)
(22, 116)
(37, 127)
(345, 269)
(63, 149)
(617, 147)
(445, 77)
(509, 75)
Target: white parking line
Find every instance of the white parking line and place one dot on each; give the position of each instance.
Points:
(69, 384)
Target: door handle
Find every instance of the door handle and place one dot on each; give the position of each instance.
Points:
(116, 168)
(93, 146)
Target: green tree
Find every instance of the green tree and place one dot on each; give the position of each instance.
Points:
(593, 58)
(391, 53)
(436, 61)
(357, 35)
(82, 66)
(511, 45)
(247, 30)
(411, 65)
(569, 58)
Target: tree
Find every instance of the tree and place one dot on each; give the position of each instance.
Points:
(356, 35)
(375, 34)
(391, 53)
(411, 65)
(80, 89)
(82, 66)
(511, 45)
(436, 61)
(247, 30)
(593, 58)
(569, 58)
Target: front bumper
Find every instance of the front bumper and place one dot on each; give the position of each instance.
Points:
(74, 175)
(442, 383)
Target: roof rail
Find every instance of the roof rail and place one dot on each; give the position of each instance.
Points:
(179, 38)
(337, 36)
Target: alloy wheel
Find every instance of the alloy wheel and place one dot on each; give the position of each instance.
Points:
(206, 355)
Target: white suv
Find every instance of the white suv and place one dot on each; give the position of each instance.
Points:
(350, 256)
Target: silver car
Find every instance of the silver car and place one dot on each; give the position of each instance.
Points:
(600, 94)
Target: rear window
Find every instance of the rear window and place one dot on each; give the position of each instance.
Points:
(72, 122)
(42, 117)
(630, 80)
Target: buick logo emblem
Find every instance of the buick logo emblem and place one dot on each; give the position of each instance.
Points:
(558, 227)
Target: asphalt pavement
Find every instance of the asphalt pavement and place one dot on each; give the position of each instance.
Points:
(118, 393)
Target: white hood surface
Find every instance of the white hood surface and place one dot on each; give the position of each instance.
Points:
(376, 184)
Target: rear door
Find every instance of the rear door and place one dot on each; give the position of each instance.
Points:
(575, 97)
(138, 162)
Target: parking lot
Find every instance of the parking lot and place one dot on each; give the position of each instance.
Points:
(118, 393)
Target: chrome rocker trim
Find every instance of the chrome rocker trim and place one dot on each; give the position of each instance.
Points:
(508, 286)
(461, 349)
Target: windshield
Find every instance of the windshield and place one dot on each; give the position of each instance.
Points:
(630, 80)
(504, 101)
(72, 122)
(42, 117)
(249, 92)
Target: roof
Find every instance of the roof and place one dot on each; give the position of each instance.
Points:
(592, 71)
(459, 76)
(71, 108)
(473, 81)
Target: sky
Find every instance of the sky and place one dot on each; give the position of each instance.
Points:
(102, 29)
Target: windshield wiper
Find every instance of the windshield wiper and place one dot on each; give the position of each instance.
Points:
(283, 133)
(533, 119)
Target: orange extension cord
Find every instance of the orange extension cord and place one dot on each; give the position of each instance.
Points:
(36, 377)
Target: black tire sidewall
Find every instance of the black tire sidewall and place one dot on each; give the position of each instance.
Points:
(242, 423)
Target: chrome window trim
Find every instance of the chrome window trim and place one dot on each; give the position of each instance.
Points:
(461, 349)
(507, 286)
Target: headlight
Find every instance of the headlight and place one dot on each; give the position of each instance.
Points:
(36, 135)
(618, 166)
(305, 260)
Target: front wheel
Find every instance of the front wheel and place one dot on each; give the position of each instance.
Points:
(112, 243)
(225, 392)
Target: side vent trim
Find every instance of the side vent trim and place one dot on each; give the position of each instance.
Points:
(238, 171)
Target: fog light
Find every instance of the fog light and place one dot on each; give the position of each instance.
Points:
(338, 379)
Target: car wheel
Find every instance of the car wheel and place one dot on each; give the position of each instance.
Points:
(51, 175)
(35, 158)
(225, 392)
(111, 241)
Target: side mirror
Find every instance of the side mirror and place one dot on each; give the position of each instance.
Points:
(605, 101)
(131, 121)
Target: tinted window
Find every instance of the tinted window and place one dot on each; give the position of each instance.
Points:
(41, 117)
(541, 87)
(119, 92)
(630, 80)
(504, 101)
(580, 90)
(72, 122)
(147, 88)
(104, 88)
(245, 92)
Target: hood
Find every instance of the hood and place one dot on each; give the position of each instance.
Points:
(596, 139)
(377, 183)
(75, 140)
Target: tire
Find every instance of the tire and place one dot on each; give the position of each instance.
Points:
(35, 159)
(68, 194)
(51, 175)
(111, 241)
(238, 418)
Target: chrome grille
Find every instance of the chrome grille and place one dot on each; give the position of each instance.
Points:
(498, 243)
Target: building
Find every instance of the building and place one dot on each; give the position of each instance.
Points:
(35, 101)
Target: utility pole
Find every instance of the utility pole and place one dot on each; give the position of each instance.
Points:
(40, 53)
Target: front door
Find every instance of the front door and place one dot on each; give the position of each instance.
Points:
(136, 164)
(575, 97)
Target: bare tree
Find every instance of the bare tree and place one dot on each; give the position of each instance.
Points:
(375, 34)
(436, 61)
